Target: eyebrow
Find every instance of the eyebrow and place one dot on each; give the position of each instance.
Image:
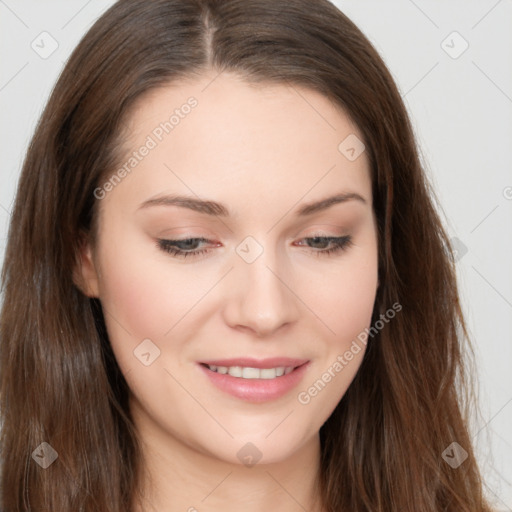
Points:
(213, 208)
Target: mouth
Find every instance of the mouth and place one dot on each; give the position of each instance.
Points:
(248, 372)
(255, 380)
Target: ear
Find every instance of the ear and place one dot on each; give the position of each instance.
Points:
(85, 274)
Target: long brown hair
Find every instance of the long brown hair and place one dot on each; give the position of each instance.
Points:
(60, 383)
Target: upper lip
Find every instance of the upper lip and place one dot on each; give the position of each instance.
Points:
(248, 362)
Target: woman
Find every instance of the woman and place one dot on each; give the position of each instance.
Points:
(226, 282)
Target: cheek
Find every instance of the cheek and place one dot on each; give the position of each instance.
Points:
(352, 308)
(140, 301)
(346, 307)
(343, 298)
(141, 283)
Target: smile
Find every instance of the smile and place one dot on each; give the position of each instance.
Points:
(246, 372)
(245, 381)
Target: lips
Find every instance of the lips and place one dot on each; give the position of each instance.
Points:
(255, 389)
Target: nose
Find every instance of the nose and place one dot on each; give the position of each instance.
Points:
(260, 297)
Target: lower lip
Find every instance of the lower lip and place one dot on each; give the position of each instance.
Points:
(256, 390)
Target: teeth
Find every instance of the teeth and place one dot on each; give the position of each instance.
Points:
(252, 373)
(235, 371)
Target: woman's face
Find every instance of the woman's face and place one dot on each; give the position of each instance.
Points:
(273, 276)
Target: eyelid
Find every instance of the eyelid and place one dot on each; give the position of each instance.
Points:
(206, 239)
(335, 244)
(323, 229)
(169, 235)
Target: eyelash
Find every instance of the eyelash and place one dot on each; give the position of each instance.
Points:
(341, 243)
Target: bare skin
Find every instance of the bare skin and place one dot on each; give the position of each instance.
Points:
(263, 152)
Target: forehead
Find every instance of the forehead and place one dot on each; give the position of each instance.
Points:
(216, 132)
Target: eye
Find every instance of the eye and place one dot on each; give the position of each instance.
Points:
(322, 245)
(182, 248)
(330, 244)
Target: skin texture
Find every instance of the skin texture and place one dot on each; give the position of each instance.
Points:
(263, 151)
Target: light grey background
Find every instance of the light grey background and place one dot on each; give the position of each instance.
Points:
(461, 107)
